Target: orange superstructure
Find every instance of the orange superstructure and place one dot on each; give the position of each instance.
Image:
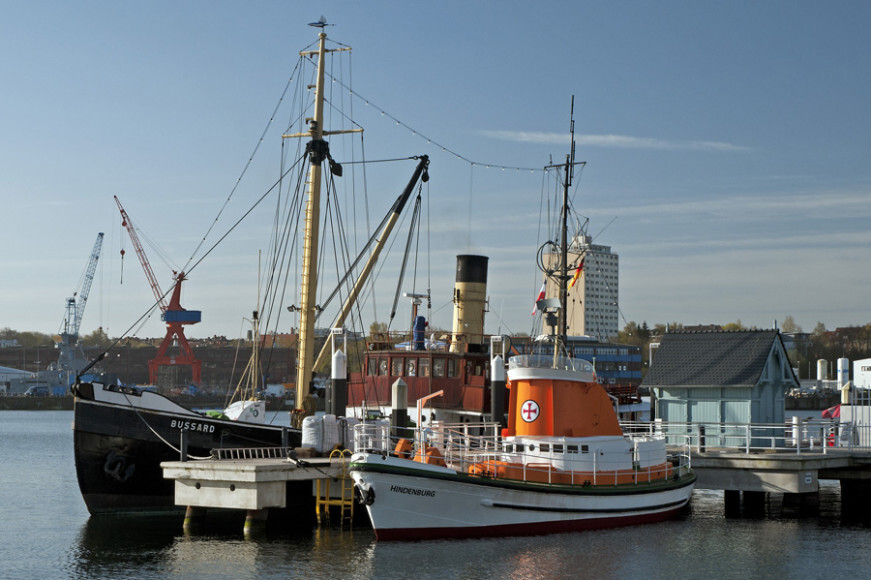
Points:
(561, 408)
(563, 429)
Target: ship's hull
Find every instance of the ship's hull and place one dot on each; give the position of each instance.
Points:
(120, 439)
(407, 500)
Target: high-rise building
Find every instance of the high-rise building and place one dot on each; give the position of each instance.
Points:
(592, 302)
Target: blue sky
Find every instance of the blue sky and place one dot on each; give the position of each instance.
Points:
(727, 147)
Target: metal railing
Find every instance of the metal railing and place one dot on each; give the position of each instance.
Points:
(252, 453)
(797, 436)
(477, 449)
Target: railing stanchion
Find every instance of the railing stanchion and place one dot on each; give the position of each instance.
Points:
(747, 440)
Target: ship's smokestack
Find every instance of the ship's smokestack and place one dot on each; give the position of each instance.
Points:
(470, 302)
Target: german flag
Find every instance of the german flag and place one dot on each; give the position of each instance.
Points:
(577, 272)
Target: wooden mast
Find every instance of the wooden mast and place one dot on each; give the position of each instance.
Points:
(310, 237)
(318, 151)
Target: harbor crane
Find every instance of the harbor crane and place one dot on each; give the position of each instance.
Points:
(173, 314)
(71, 356)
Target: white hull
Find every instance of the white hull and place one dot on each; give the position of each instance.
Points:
(409, 500)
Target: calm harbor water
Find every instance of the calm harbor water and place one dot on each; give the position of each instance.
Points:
(45, 532)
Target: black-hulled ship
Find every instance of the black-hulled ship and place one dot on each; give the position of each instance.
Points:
(122, 434)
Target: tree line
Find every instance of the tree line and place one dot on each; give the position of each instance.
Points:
(852, 342)
(29, 339)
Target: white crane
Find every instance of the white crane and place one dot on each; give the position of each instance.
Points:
(71, 357)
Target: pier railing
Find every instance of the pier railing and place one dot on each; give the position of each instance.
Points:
(236, 453)
(797, 436)
(477, 449)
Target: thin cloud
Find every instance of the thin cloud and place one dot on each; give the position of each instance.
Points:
(780, 205)
(762, 247)
(613, 141)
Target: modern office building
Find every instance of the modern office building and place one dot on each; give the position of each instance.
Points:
(592, 306)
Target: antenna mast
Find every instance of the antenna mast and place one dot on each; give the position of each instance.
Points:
(562, 274)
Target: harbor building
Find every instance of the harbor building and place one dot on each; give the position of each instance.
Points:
(721, 377)
(592, 303)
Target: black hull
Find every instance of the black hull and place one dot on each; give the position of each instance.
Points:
(118, 451)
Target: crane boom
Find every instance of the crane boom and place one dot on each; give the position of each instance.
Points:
(143, 259)
(86, 285)
(174, 315)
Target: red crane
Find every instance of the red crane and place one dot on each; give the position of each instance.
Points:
(173, 314)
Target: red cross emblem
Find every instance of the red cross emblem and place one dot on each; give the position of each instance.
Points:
(529, 411)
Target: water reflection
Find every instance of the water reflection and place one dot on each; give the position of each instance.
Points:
(112, 547)
(191, 556)
(785, 541)
(45, 532)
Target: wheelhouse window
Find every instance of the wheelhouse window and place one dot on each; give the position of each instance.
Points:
(396, 367)
(438, 367)
(453, 367)
(382, 367)
(372, 367)
(411, 367)
(424, 367)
